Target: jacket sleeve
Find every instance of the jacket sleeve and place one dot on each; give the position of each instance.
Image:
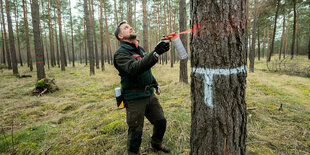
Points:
(126, 64)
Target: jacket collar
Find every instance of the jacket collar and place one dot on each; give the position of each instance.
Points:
(129, 46)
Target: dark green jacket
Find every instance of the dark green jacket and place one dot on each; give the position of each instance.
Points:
(134, 67)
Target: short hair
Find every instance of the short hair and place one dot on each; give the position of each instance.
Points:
(118, 30)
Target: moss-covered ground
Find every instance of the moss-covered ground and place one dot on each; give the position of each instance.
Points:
(82, 118)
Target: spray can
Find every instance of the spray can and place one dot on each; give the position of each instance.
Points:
(119, 98)
(177, 44)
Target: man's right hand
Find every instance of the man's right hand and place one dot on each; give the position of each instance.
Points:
(162, 47)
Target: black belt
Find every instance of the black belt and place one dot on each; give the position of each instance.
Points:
(146, 88)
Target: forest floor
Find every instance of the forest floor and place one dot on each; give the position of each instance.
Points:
(82, 117)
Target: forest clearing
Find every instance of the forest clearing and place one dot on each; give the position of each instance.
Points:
(82, 118)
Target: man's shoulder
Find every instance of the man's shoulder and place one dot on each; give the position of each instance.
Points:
(121, 50)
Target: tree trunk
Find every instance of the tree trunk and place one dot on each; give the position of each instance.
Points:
(116, 21)
(85, 42)
(283, 35)
(101, 32)
(3, 44)
(8, 53)
(145, 26)
(294, 31)
(37, 39)
(309, 34)
(135, 14)
(45, 38)
(274, 33)
(51, 38)
(62, 47)
(183, 23)
(11, 35)
(93, 28)
(264, 41)
(108, 42)
(67, 47)
(218, 64)
(89, 38)
(297, 35)
(252, 51)
(165, 27)
(72, 44)
(57, 47)
(17, 35)
(129, 12)
(258, 43)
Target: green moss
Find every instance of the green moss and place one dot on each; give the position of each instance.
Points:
(114, 127)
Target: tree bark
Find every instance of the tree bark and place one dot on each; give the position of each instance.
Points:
(264, 41)
(11, 35)
(8, 53)
(115, 17)
(129, 12)
(258, 43)
(62, 47)
(309, 34)
(85, 42)
(274, 33)
(135, 14)
(17, 35)
(57, 47)
(108, 41)
(51, 38)
(89, 38)
(72, 42)
(252, 51)
(3, 44)
(183, 23)
(218, 64)
(283, 34)
(101, 32)
(294, 31)
(93, 25)
(37, 39)
(145, 26)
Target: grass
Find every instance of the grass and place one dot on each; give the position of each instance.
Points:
(82, 117)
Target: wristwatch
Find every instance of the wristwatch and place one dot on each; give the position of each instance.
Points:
(156, 54)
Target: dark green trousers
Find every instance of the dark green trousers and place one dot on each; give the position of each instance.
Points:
(136, 110)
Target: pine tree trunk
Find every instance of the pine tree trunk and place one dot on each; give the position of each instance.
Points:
(17, 35)
(72, 40)
(218, 64)
(101, 32)
(258, 43)
(145, 26)
(274, 33)
(3, 44)
(135, 14)
(85, 42)
(165, 28)
(89, 38)
(183, 23)
(297, 35)
(11, 36)
(37, 39)
(8, 53)
(129, 12)
(309, 34)
(67, 47)
(252, 51)
(62, 47)
(108, 47)
(56, 37)
(264, 41)
(294, 31)
(51, 38)
(283, 35)
(116, 20)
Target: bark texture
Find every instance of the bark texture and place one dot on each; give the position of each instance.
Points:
(61, 42)
(89, 38)
(37, 40)
(294, 31)
(252, 51)
(183, 23)
(101, 33)
(7, 49)
(145, 30)
(218, 54)
(29, 58)
(274, 32)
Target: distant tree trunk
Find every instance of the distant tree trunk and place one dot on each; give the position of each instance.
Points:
(101, 32)
(116, 21)
(67, 47)
(274, 32)
(252, 51)
(29, 57)
(145, 26)
(11, 35)
(89, 38)
(135, 12)
(51, 38)
(80, 45)
(283, 35)
(129, 12)
(62, 47)
(45, 38)
(183, 23)
(165, 27)
(218, 63)
(72, 43)
(294, 31)
(8, 53)
(3, 43)
(297, 35)
(309, 34)
(85, 42)
(93, 27)
(17, 35)
(286, 40)
(258, 43)
(37, 39)
(57, 47)
(264, 41)
(108, 41)
(120, 8)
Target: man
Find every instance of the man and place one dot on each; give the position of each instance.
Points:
(138, 84)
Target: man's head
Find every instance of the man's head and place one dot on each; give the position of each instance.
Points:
(124, 32)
